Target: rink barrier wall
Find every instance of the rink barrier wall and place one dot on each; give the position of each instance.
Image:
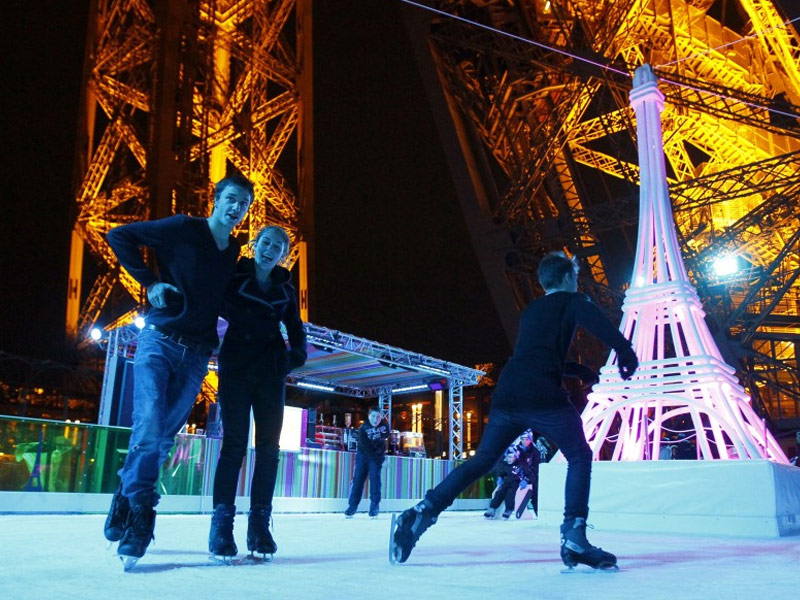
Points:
(51, 466)
(745, 498)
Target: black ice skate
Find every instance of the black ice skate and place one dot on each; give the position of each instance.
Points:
(489, 514)
(117, 517)
(351, 510)
(138, 533)
(407, 528)
(575, 548)
(259, 539)
(373, 509)
(221, 545)
(506, 514)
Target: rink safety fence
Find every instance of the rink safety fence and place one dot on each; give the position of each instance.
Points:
(52, 456)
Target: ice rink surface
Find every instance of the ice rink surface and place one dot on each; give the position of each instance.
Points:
(325, 556)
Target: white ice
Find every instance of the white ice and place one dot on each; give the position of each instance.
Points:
(325, 556)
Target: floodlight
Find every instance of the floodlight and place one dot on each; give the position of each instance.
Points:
(726, 265)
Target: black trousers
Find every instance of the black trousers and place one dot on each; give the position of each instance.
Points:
(507, 492)
(562, 425)
(365, 465)
(237, 396)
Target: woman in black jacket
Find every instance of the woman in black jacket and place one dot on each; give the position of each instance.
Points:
(253, 364)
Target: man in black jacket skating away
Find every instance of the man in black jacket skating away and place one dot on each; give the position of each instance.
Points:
(369, 459)
(530, 394)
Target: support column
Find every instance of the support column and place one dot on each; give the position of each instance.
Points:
(456, 396)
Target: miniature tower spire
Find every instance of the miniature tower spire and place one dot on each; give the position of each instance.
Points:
(682, 377)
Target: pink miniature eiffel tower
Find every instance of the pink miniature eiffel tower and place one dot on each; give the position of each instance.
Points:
(682, 373)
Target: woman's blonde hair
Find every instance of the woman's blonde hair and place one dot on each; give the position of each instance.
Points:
(280, 231)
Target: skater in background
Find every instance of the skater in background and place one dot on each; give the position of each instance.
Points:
(508, 480)
(513, 472)
(196, 257)
(530, 393)
(369, 459)
(528, 464)
(253, 364)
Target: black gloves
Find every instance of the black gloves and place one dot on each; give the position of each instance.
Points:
(627, 362)
(584, 373)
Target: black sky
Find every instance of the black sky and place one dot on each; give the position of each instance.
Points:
(394, 262)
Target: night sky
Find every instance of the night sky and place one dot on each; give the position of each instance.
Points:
(394, 262)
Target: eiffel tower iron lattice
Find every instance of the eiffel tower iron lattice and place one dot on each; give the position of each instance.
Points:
(682, 373)
(177, 94)
(548, 143)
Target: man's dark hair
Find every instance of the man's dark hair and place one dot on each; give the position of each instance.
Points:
(237, 180)
(553, 267)
(376, 409)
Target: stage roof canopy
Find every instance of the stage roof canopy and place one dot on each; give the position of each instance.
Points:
(349, 365)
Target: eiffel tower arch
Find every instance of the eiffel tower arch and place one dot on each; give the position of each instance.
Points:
(536, 97)
(177, 94)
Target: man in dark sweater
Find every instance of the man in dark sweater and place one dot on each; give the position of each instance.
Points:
(195, 258)
(369, 459)
(530, 394)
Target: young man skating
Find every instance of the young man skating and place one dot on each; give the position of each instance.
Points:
(195, 258)
(529, 394)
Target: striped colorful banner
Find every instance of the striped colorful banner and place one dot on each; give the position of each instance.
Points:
(317, 473)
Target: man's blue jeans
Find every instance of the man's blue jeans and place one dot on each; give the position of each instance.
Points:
(166, 380)
(365, 464)
(561, 425)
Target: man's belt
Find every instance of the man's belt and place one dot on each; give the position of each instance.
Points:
(193, 345)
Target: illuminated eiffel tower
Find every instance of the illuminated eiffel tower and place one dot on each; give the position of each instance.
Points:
(536, 98)
(177, 94)
(682, 373)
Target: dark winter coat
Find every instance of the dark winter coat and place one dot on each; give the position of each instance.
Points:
(527, 463)
(187, 257)
(253, 343)
(372, 440)
(532, 379)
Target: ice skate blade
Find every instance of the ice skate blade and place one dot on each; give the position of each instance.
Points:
(590, 569)
(262, 557)
(221, 559)
(128, 562)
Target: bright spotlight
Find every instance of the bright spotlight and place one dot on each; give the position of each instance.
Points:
(96, 333)
(139, 322)
(726, 265)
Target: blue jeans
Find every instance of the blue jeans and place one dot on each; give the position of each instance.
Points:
(561, 425)
(166, 380)
(237, 395)
(365, 464)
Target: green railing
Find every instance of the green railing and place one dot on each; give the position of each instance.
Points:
(53, 456)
